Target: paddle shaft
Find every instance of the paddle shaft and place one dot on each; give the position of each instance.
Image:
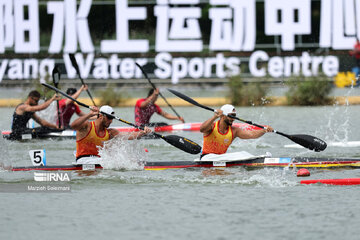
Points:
(154, 87)
(242, 120)
(58, 110)
(177, 141)
(76, 66)
(213, 110)
(307, 141)
(87, 106)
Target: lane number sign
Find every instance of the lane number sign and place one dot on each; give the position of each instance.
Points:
(38, 157)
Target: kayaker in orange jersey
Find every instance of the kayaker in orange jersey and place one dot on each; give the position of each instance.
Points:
(219, 135)
(91, 135)
(146, 107)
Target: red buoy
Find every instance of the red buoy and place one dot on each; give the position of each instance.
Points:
(344, 181)
(303, 172)
(146, 150)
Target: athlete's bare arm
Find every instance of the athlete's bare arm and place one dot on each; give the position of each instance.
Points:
(20, 110)
(250, 134)
(81, 124)
(171, 117)
(44, 123)
(133, 135)
(76, 95)
(150, 99)
(207, 126)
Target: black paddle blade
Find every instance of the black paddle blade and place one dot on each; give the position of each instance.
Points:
(56, 76)
(145, 74)
(307, 141)
(73, 62)
(188, 99)
(183, 143)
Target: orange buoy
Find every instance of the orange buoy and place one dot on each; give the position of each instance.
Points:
(303, 172)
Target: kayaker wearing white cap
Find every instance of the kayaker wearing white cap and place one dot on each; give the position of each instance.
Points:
(219, 135)
(91, 135)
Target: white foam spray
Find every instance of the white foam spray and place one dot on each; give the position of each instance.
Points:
(338, 126)
(122, 154)
(6, 159)
(50, 113)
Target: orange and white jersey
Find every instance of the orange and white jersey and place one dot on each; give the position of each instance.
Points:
(217, 142)
(89, 144)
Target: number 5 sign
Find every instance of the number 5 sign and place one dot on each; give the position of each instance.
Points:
(38, 157)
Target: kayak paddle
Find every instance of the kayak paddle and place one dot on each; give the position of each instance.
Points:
(76, 66)
(56, 79)
(177, 141)
(307, 141)
(154, 87)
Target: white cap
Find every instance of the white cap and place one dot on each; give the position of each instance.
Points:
(107, 109)
(227, 108)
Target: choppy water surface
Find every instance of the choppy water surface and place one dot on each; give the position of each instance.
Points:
(126, 202)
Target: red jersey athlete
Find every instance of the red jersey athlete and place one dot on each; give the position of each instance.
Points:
(146, 107)
(67, 107)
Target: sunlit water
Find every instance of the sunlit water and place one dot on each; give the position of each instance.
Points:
(126, 202)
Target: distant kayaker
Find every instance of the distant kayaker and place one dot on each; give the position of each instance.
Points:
(146, 107)
(25, 111)
(67, 106)
(356, 54)
(91, 135)
(219, 135)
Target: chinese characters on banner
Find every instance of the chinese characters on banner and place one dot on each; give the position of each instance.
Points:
(177, 30)
(340, 24)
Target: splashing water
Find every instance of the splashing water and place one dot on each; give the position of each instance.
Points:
(50, 113)
(122, 154)
(5, 161)
(337, 130)
(275, 178)
(272, 178)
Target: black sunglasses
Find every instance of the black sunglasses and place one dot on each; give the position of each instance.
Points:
(110, 117)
